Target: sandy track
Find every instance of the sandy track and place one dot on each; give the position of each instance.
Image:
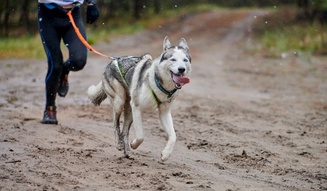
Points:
(244, 122)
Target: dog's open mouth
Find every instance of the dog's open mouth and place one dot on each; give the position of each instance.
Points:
(179, 80)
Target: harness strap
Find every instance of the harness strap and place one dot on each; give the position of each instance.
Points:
(154, 96)
(122, 75)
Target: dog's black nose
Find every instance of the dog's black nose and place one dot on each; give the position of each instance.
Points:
(181, 70)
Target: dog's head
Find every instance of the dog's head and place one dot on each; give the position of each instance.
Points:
(176, 62)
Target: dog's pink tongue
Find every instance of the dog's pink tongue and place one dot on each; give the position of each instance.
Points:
(181, 80)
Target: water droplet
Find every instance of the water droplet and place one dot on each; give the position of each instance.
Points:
(266, 22)
(67, 45)
(255, 16)
(40, 19)
(176, 6)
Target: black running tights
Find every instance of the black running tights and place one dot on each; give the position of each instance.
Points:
(54, 26)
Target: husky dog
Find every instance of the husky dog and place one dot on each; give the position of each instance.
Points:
(135, 84)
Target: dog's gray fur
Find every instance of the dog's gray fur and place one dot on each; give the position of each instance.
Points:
(130, 86)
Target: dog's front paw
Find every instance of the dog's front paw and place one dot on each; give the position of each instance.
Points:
(164, 155)
(136, 143)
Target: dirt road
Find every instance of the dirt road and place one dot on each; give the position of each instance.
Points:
(245, 122)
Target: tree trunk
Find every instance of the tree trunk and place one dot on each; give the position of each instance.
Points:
(24, 15)
(157, 7)
(6, 18)
(137, 9)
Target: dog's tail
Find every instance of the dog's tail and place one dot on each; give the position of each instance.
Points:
(96, 94)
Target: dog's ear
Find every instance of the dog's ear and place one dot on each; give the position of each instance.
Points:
(183, 44)
(166, 43)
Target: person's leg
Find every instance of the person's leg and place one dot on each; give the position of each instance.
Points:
(51, 42)
(77, 52)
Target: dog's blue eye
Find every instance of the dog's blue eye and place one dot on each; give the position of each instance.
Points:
(185, 60)
(173, 60)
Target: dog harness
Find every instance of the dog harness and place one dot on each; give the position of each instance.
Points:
(154, 96)
(122, 75)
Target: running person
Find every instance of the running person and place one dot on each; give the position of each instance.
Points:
(54, 26)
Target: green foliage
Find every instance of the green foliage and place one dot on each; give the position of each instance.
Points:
(301, 37)
(281, 31)
(321, 4)
(21, 47)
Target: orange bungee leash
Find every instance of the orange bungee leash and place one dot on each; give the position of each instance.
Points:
(80, 36)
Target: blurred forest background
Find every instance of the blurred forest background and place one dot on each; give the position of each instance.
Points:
(18, 18)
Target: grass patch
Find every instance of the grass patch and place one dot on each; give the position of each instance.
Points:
(21, 47)
(283, 32)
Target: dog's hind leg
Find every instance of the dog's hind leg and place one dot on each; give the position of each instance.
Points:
(117, 96)
(167, 124)
(118, 139)
(137, 120)
(128, 120)
(118, 107)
